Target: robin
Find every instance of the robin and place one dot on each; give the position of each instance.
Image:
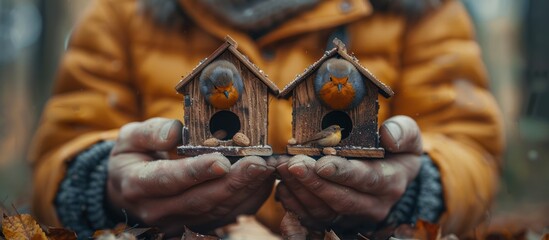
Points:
(339, 85)
(329, 137)
(221, 84)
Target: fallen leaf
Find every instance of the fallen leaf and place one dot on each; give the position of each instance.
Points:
(121, 236)
(422, 230)
(331, 235)
(545, 236)
(22, 226)
(60, 234)
(120, 228)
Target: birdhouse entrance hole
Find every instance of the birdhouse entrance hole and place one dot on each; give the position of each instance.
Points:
(224, 125)
(338, 118)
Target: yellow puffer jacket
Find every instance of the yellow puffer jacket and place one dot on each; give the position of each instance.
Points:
(120, 68)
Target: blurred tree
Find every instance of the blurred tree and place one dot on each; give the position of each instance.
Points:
(536, 84)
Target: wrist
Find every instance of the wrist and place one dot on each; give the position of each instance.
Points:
(80, 200)
(423, 198)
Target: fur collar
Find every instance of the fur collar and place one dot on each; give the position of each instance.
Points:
(168, 13)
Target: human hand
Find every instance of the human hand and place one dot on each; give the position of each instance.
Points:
(352, 194)
(201, 192)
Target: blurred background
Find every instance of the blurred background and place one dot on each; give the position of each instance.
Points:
(514, 36)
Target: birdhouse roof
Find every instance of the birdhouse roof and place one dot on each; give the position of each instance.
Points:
(231, 45)
(340, 50)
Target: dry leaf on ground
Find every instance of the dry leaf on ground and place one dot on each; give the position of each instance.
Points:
(331, 235)
(422, 230)
(22, 226)
(60, 234)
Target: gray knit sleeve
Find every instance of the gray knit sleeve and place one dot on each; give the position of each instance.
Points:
(80, 200)
(422, 199)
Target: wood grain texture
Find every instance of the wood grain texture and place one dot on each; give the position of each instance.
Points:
(251, 108)
(309, 112)
(226, 151)
(355, 152)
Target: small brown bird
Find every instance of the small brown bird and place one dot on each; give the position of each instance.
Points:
(329, 137)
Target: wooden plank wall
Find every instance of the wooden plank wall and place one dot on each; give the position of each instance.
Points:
(251, 108)
(308, 113)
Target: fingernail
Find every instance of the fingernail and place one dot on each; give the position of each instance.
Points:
(395, 131)
(299, 170)
(165, 131)
(255, 170)
(219, 168)
(327, 170)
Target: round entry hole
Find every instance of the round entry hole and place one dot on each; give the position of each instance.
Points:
(224, 125)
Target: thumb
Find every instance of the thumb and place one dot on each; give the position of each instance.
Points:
(400, 134)
(155, 134)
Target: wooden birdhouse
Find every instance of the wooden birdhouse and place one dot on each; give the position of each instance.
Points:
(336, 90)
(226, 100)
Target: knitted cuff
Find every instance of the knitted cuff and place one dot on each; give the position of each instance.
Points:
(81, 195)
(422, 199)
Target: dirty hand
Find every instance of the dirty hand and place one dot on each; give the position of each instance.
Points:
(201, 192)
(352, 194)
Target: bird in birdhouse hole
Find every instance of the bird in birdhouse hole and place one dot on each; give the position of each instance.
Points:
(339, 85)
(221, 84)
(329, 137)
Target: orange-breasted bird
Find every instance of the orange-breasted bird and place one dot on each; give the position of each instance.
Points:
(329, 137)
(221, 84)
(339, 85)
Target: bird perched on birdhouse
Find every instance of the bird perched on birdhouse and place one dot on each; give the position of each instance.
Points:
(226, 104)
(329, 137)
(339, 85)
(221, 84)
(335, 106)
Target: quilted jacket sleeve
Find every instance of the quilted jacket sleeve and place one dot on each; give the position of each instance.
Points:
(92, 98)
(444, 77)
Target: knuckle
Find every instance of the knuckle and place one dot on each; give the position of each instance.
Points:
(235, 185)
(316, 185)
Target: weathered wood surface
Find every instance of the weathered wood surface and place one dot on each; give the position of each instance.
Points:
(308, 113)
(226, 151)
(356, 152)
(252, 108)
